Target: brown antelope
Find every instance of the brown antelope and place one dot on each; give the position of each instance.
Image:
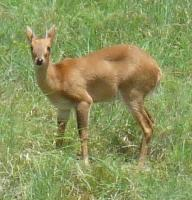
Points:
(96, 77)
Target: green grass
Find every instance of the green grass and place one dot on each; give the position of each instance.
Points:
(32, 168)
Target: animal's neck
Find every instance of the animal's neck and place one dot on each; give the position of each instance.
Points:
(42, 76)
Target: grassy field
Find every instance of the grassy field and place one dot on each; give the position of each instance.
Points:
(31, 168)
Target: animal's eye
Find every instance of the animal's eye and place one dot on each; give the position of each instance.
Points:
(48, 49)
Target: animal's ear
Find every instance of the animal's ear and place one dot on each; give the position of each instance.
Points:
(30, 34)
(51, 33)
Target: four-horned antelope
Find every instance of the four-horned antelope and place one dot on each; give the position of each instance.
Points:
(98, 76)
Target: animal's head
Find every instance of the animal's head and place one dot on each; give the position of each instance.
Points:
(41, 47)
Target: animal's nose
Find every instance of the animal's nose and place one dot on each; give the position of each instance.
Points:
(39, 61)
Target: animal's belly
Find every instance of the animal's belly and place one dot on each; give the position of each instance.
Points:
(102, 90)
(60, 102)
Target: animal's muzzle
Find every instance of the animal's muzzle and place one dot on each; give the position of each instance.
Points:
(39, 61)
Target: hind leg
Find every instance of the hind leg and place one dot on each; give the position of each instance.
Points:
(149, 116)
(142, 118)
(135, 102)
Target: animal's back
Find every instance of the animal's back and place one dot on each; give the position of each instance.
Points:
(117, 67)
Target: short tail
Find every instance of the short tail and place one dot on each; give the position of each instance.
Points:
(159, 76)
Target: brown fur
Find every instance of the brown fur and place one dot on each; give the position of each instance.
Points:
(98, 76)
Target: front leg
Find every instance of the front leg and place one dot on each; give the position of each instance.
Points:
(82, 112)
(62, 119)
